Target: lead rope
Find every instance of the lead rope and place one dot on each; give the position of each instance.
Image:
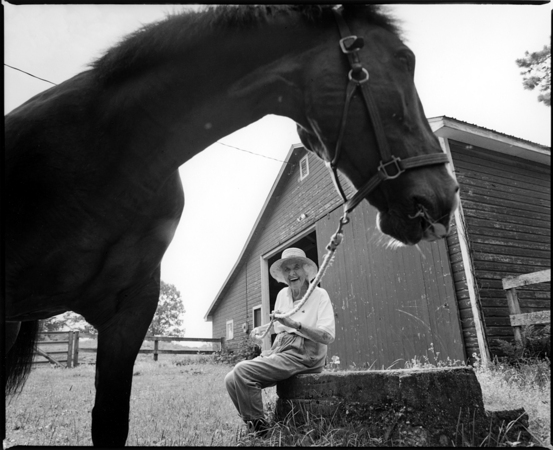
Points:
(335, 241)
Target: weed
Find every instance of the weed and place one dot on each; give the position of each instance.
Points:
(247, 349)
(536, 344)
(524, 385)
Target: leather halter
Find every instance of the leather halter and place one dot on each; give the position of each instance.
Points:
(390, 166)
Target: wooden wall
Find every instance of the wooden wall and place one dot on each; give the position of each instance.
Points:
(392, 305)
(507, 211)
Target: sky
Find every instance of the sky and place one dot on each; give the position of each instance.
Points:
(465, 69)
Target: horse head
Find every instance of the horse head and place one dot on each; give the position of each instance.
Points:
(363, 117)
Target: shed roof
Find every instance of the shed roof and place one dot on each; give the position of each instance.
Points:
(442, 126)
(447, 127)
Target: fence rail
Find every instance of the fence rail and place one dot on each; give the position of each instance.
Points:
(72, 352)
(518, 319)
(73, 347)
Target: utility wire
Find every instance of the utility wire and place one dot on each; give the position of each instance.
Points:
(218, 142)
(253, 153)
(30, 74)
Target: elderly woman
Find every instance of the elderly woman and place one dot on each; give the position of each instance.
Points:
(300, 345)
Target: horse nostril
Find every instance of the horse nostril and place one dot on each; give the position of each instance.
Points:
(419, 201)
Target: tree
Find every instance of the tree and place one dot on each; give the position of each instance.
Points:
(55, 323)
(68, 321)
(76, 322)
(165, 322)
(166, 319)
(537, 73)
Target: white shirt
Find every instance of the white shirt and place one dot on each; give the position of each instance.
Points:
(317, 311)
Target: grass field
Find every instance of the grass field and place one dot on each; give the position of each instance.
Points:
(178, 401)
(171, 406)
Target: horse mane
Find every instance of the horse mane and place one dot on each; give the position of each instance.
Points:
(177, 33)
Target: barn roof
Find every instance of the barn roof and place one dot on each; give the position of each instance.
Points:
(442, 126)
(293, 154)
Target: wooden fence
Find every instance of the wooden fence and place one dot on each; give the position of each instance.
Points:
(73, 348)
(157, 339)
(518, 319)
(51, 356)
(157, 351)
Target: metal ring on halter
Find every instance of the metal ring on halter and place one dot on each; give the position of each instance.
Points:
(361, 81)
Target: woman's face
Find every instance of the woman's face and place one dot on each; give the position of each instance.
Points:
(294, 273)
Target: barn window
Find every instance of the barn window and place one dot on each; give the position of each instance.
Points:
(257, 316)
(304, 167)
(230, 329)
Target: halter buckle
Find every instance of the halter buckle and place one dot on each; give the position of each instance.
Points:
(395, 162)
(351, 44)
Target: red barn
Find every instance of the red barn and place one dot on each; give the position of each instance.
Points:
(394, 304)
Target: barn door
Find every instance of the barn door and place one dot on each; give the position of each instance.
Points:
(391, 304)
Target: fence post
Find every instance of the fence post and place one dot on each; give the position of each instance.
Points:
(70, 350)
(514, 308)
(76, 349)
(156, 342)
(223, 343)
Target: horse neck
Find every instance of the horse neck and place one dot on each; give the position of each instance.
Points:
(176, 109)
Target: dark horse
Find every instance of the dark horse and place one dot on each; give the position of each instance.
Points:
(93, 194)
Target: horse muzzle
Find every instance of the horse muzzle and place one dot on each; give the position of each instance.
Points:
(411, 230)
(428, 219)
(432, 230)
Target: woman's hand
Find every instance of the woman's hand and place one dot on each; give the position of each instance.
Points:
(258, 332)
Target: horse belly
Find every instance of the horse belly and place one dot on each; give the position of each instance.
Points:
(83, 280)
(88, 269)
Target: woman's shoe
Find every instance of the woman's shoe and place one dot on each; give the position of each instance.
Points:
(258, 426)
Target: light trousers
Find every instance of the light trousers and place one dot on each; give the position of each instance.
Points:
(290, 354)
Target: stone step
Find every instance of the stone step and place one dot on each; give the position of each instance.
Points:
(428, 407)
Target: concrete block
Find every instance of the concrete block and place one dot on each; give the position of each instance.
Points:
(417, 407)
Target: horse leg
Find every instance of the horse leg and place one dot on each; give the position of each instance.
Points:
(118, 344)
(20, 350)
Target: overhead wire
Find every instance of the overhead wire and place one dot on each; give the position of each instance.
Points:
(253, 153)
(30, 74)
(218, 142)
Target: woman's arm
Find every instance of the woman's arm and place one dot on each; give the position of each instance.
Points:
(315, 334)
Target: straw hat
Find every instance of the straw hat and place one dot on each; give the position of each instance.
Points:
(289, 255)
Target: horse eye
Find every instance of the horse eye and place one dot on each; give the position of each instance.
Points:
(407, 58)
